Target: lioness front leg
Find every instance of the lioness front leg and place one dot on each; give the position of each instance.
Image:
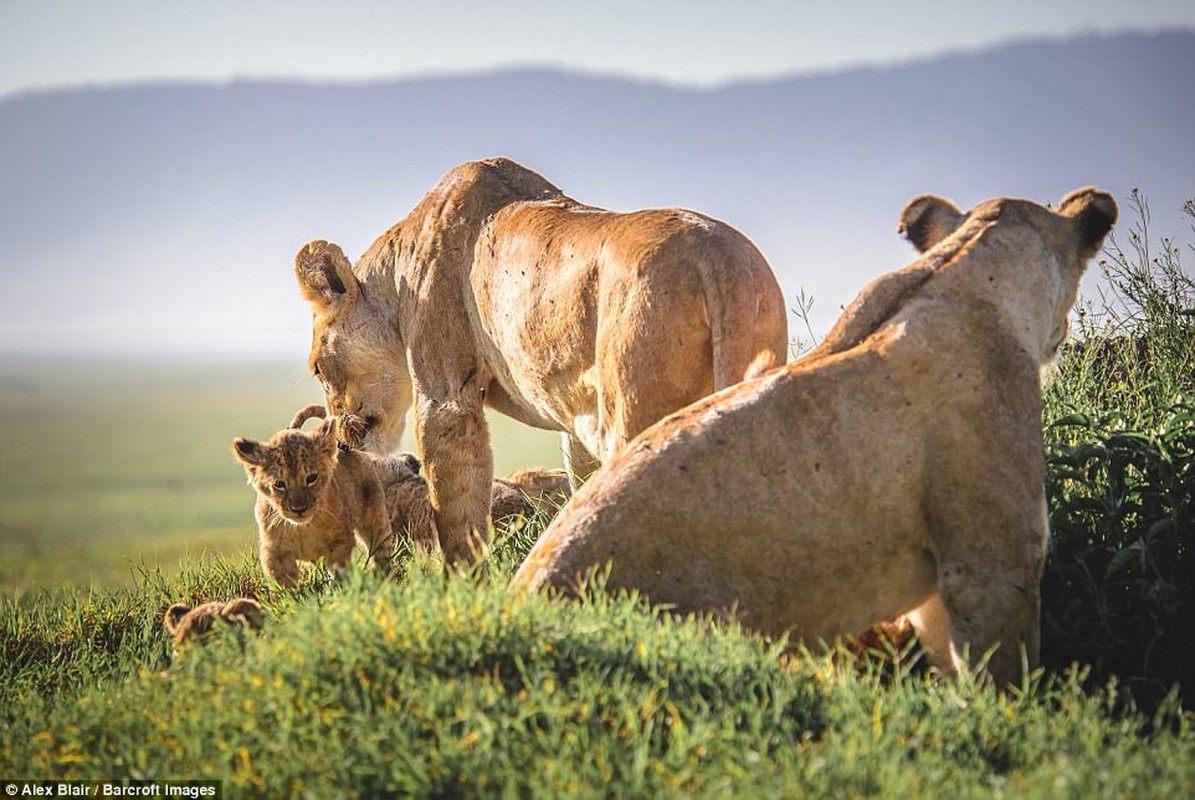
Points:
(454, 444)
(988, 535)
(931, 621)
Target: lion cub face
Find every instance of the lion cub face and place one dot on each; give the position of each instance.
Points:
(293, 470)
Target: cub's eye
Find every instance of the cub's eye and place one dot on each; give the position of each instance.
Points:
(315, 369)
(312, 478)
(280, 486)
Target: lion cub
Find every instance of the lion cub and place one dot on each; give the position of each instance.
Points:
(526, 492)
(184, 622)
(315, 499)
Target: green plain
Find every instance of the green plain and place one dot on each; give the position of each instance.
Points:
(108, 465)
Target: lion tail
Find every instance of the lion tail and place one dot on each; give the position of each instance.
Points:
(306, 413)
(736, 355)
(747, 318)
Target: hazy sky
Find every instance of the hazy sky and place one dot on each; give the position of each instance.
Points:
(48, 43)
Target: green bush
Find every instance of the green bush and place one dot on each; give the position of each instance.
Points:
(1118, 591)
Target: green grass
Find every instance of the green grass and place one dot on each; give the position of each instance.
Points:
(459, 687)
(108, 466)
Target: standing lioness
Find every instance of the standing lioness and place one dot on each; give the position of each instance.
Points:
(499, 290)
(897, 468)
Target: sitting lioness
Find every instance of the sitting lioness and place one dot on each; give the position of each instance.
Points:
(898, 468)
(499, 290)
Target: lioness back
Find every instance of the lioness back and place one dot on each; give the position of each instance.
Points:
(560, 286)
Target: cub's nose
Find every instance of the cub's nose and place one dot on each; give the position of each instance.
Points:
(297, 508)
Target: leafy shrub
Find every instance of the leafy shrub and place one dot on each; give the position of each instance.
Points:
(1119, 592)
(1119, 587)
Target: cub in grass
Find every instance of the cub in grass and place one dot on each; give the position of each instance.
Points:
(316, 499)
(317, 496)
(526, 492)
(523, 494)
(184, 622)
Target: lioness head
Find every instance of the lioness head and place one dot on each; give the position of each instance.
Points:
(1055, 256)
(355, 352)
(293, 470)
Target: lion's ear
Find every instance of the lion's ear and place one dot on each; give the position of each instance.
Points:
(412, 461)
(174, 615)
(325, 275)
(927, 220)
(327, 434)
(247, 451)
(1095, 212)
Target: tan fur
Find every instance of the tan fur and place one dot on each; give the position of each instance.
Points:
(351, 429)
(523, 494)
(499, 290)
(314, 501)
(898, 469)
(184, 622)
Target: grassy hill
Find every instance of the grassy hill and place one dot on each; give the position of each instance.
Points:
(461, 688)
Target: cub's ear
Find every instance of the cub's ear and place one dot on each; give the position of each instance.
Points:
(927, 220)
(327, 435)
(412, 461)
(174, 615)
(247, 451)
(325, 275)
(1095, 213)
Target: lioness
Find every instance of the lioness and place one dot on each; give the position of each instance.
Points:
(897, 468)
(499, 290)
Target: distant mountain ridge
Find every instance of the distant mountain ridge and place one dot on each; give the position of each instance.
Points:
(165, 218)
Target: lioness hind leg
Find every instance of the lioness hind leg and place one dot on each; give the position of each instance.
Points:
(992, 607)
(931, 621)
(579, 463)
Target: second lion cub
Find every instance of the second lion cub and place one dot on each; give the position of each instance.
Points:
(316, 500)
